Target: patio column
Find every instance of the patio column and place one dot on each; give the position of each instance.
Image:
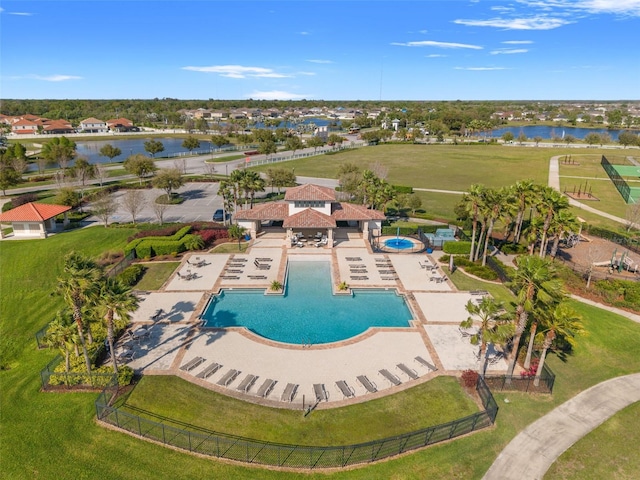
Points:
(330, 237)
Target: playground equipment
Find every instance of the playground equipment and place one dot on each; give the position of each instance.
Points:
(623, 263)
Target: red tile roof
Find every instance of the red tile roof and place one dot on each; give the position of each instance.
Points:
(266, 211)
(90, 120)
(350, 211)
(309, 218)
(33, 212)
(120, 121)
(310, 192)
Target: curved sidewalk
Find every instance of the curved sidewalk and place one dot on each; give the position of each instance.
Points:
(530, 454)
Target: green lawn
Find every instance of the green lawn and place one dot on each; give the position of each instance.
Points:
(439, 401)
(155, 275)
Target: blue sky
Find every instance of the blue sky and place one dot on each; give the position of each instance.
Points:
(321, 49)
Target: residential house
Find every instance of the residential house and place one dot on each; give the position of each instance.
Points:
(93, 125)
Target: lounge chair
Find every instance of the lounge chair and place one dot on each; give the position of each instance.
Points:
(320, 392)
(228, 377)
(266, 387)
(193, 363)
(390, 376)
(264, 259)
(346, 390)
(247, 383)
(424, 363)
(210, 370)
(289, 392)
(261, 266)
(367, 384)
(126, 356)
(411, 373)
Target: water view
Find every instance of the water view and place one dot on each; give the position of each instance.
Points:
(547, 132)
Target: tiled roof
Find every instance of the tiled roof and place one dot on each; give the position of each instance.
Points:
(25, 122)
(309, 218)
(310, 192)
(350, 211)
(120, 121)
(90, 120)
(266, 211)
(33, 212)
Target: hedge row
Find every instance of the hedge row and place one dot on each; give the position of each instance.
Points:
(179, 242)
(457, 248)
(402, 189)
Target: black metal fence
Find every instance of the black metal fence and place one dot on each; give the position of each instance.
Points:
(523, 383)
(246, 450)
(620, 183)
(118, 267)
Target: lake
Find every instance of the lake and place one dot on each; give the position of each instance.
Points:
(547, 132)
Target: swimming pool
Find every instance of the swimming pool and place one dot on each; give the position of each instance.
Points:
(308, 313)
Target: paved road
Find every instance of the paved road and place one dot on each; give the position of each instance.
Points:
(530, 454)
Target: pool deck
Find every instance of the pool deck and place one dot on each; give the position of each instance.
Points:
(176, 338)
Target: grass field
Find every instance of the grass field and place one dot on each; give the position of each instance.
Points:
(439, 401)
(156, 274)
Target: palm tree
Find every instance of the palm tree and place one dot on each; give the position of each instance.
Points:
(484, 207)
(532, 232)
(78, 288)
(561, 322)
(493, 204)
(524, 193)
(562, 223)
(495, 326)
(551, 202)
(225, 190)
(115, 299)
(236, 232)
(254, 183)
(472, 201)
(61, 334)
(535, 284)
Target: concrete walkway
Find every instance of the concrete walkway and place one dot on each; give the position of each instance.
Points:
(530, 454)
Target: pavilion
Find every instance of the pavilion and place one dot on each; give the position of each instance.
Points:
(34, 220)
(311, 208)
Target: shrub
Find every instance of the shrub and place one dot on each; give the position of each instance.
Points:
(132, 274)
(457, 248)
(470, 378)
(211, 235)
(510, 248)
(22, 199)
(109, 258)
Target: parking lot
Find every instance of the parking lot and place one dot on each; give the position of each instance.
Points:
(200, 201)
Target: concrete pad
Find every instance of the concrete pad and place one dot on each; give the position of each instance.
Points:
(159, 350)
(414, 277)
(206, 276)
(457, 352)
(178, 307)
(444, 307)
(307, 367)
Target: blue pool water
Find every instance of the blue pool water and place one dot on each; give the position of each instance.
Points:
(308, 312)
(398, 243)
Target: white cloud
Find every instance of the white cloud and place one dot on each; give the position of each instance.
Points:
(53, 78)
(479, 69)
(431, 43)
(436, 55)
(540, 22)
(276, 95)
(502, 9)
(620, 7)
(509, 51)
(517, 42)
(319, 61)
(308, 74)
(303, 33)
(423, 31)
(238, 71)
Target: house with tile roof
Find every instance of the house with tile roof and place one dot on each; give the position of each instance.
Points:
(92, 125)
(311, 209)
(57, 127)
(24, 127)
(34, 220)
(121, 125)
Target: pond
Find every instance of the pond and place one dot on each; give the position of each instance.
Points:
(546, 132)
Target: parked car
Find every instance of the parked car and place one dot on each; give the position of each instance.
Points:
(218, 215)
